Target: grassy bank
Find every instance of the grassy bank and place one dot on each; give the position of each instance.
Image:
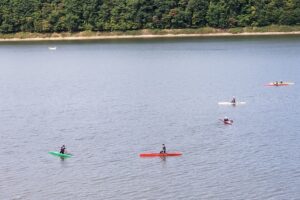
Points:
(149, 33)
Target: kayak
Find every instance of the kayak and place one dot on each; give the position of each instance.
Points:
(280, 84)
(230, 103)
(52, 48)
(62, 155)
(230, 122)
(160, 154)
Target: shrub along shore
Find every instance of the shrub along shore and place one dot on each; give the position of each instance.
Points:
(152, 33)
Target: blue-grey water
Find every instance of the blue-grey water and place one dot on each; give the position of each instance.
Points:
(109, 101)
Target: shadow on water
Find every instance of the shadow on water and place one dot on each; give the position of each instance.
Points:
(63, 162)
(163, 159)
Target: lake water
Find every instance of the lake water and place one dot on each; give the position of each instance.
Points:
(109, 101)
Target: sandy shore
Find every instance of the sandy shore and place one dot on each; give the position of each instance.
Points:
(145, 36)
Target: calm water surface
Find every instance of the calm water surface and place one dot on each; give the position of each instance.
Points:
(109, 101)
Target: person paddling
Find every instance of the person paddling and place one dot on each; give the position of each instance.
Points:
(233, 100)
(62, 149)
(226, 119)
(164, 150)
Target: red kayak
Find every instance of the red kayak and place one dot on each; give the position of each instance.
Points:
(229, 122)
(280, 84)
(160, 154)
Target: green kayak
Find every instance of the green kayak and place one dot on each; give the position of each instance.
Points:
(63, 155)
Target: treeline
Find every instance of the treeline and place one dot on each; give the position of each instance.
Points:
(46, 16)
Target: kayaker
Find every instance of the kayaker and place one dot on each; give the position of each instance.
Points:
(233, 100)
(62, 149)
(226, 119)
(164, 150)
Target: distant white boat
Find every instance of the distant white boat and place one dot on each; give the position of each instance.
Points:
(52, 48)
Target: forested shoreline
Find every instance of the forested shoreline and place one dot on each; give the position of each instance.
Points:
(49, 16)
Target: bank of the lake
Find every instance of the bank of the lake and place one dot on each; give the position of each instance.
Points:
(152, 33)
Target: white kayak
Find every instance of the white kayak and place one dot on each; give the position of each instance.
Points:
(230, 103)
(52, 48)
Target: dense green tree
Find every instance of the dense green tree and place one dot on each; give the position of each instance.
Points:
(291, 13)
(197, 11)
(218, 14)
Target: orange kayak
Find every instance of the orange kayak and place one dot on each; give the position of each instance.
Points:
(280, 84)
(277, 85)
(160, 154)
